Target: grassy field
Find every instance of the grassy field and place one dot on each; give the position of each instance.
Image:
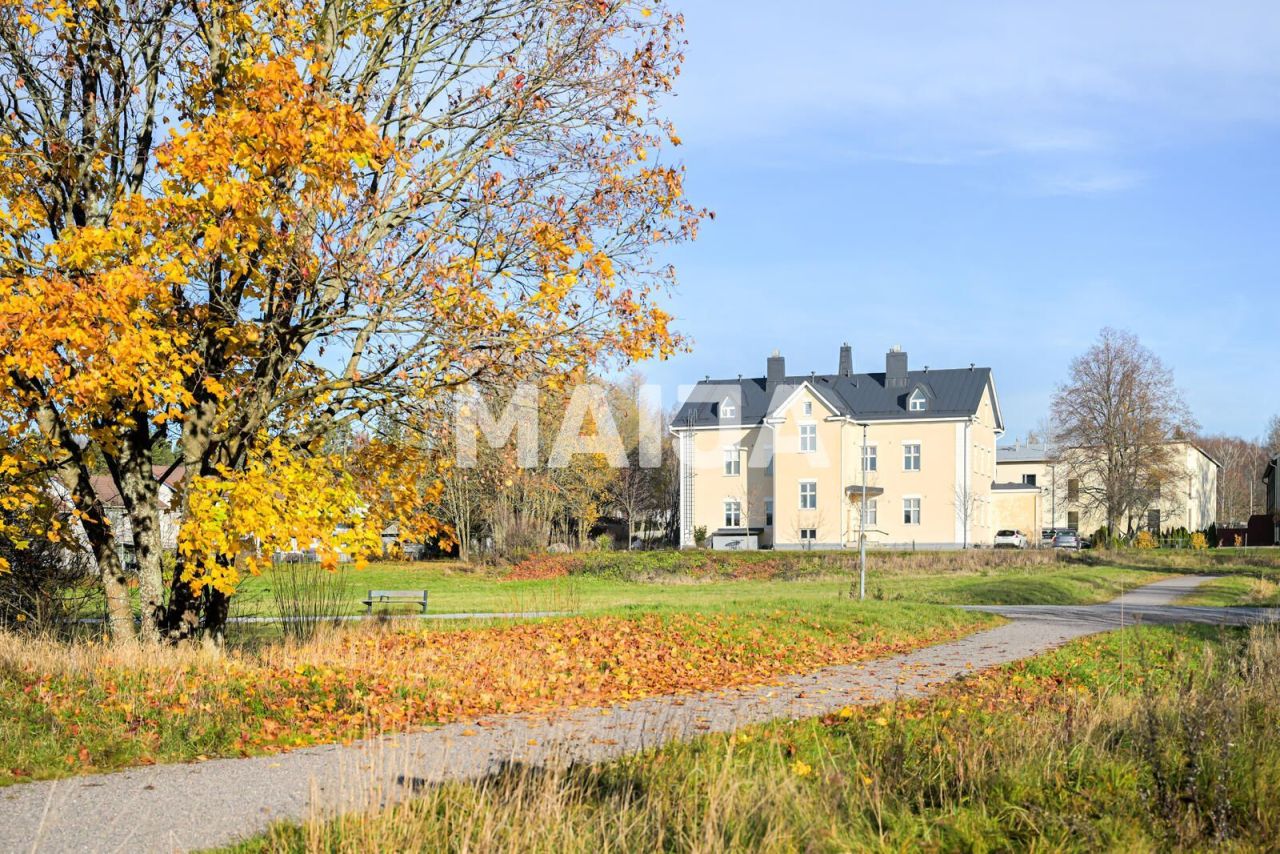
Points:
(456, 588)
(1259, 561)
(1237, 590)
(1147, 739)
(69, 709)
(641, 626)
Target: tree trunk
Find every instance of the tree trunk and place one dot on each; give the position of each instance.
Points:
(115, 587)
(115, 592)
(141, 495)
(216, 609)
(182, 617)
(74, 475)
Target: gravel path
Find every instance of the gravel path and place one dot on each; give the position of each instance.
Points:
(181, 807)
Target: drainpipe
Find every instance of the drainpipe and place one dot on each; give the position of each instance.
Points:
(965, 495)
(862, 523)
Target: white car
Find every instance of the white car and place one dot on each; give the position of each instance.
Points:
(1008, 539)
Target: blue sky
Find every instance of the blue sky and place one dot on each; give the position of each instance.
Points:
(985, 182)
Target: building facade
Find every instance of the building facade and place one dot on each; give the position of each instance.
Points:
(1190, 501)
(784, 459)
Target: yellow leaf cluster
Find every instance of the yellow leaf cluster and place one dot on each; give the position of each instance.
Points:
(238, 519)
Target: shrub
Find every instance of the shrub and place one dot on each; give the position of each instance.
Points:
(306, 595)
(1199, 542)
(704, 565)
(1144, 540)
(46, 588)
(700, 535)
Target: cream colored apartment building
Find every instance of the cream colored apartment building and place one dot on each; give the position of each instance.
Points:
(781, 460)
(1055, 495)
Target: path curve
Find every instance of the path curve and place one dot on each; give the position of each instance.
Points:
(200, 805)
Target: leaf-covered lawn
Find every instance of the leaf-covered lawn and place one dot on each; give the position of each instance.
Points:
(87, 708)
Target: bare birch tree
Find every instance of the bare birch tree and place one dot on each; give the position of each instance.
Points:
(1116, 416)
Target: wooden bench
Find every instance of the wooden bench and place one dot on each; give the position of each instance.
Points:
(391, 597)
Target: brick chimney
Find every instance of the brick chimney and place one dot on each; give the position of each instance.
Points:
(846, 360)
(895, 368)
(775, 373)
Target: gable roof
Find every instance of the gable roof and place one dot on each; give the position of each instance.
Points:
(954, 393)
(105, 488)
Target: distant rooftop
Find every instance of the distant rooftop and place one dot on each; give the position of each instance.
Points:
(1023, 452)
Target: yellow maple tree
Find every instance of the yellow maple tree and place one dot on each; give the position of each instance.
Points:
(242, 225)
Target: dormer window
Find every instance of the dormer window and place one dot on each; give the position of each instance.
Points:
(917, 402)
(727, 409)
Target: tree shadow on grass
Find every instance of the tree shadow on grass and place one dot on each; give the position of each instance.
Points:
(512, 781)
(1015, 591)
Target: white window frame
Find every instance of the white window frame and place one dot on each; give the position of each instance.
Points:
(870, 513)
(727, 408)
(918, 456)
(917, 402)
(871, 453)
(809, 535)
(732, 462)
(732, 511)
(768, 512)
(808, 431)
(911, 503)
(807, 407)
(808, 495)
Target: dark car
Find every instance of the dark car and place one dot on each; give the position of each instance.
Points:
(1066, 540)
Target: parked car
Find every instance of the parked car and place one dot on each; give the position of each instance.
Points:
(1066, 540)
(1046, 537)
(1009, 539)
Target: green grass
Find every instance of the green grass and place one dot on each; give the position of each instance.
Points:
(177, 705)
(1141, 740)
(1236, 590)
(456, 589)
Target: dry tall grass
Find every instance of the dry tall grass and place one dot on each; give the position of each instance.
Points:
(1184, 760)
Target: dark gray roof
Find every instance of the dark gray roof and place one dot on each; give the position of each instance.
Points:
(952, 393)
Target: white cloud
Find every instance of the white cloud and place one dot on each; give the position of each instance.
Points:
(1089, 183)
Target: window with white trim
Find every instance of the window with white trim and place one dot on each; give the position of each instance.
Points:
(732, 461)
(807, 408)
(869, 460)
(768, 512)
(808, 495)
(869, 513)
(911, 511)
(808, 438)
(911, 457)
(808, 535)
(917, 402)
(732, 513)
(728, 409)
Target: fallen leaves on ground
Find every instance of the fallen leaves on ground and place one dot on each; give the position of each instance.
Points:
(107, 713)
